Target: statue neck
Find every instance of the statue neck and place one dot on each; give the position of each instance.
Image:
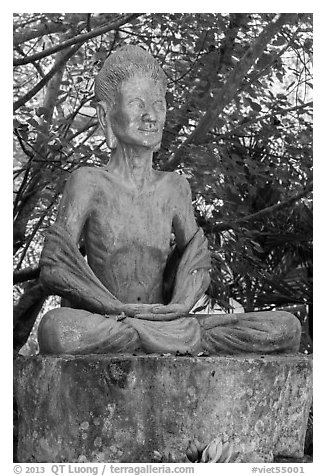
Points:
(133, 165)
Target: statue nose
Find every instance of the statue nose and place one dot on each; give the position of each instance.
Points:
(149, 116)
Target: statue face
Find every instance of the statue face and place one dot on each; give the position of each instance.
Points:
(138, 115)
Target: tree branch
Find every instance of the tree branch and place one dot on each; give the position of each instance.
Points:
(43, 29)
(26, 274)
(233, 82)
(278, 206)
(23, 100)
(113, 25)
(273, 208)
(276, 112)
(26, 312)
(28, 299)
(222, 59)
(36, 65)
(36, 227)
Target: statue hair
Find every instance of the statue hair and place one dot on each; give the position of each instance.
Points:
(123, 64)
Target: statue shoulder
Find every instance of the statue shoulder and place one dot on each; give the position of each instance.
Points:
(81, 186)
(77, 196)
(83, 174)
(177, 181)
(180, 184)
(83, 179)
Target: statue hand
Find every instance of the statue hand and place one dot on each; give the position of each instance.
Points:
(172, 308)
(161, 312)
(132, 310)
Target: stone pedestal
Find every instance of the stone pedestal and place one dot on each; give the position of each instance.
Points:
(99, 408)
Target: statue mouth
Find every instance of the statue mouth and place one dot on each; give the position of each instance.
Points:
(148, 130)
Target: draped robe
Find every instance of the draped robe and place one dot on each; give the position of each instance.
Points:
(83, 331)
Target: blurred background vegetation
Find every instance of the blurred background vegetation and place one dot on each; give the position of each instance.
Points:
(239, 127)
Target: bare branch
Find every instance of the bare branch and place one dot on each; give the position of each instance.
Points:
(22, 145)
(26, 274)
(30, 20)
(113, 25)
(256, 119)
(26, 312)
(20, 102)
(28, 200)
(36, 227)
(42, 29)
(192, 64)
(28, 299)
(273, 208)
(36, 65)
(278, 206)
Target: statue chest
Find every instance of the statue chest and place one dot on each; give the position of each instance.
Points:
(120, 219)
(127, 242)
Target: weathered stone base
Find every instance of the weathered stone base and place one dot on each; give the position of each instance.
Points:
(99, 408)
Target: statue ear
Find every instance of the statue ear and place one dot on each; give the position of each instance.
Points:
(111, 139)
(157, 147)
(104, 120)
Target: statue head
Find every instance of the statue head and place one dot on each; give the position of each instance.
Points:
(130, 87)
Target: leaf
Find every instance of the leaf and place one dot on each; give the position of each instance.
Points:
(255, 106)
(279, 76)
(17, 124)
(41, 111)
(257, 246)
(35, 122)
(265, 60)
(280, 41)
(169, 98)
(290, 85)
(220, 123)
(61, 99)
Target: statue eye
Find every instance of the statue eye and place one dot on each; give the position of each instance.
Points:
(159, 103)
(137, 102)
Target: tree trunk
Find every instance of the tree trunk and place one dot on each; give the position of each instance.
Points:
(233, 82)
(26, 312)
(222, 57)
(34, 188)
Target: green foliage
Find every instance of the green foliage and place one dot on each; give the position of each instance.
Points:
(239, 126)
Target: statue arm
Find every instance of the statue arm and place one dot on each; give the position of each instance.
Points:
(192, 278)
(63, 269)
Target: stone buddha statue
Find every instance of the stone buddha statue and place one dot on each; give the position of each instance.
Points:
(134, 292)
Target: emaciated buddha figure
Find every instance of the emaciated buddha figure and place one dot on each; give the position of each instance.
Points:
(134, 293)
